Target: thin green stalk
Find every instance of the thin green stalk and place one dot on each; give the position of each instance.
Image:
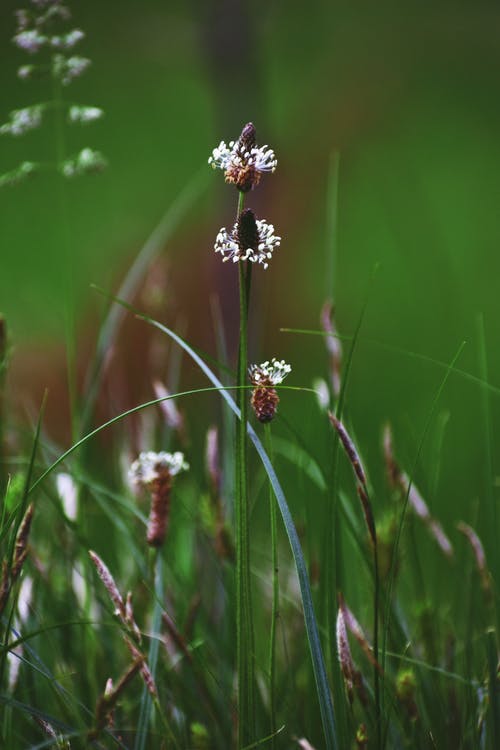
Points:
(146, 699)
(23, 505)
(376, 608)
(333, 541)
(392, 570)
(3, 370)
(275, 599)
(244, 618)
(69, 322)
(318, 663)
(492, 517)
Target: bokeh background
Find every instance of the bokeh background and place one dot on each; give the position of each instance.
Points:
(389, 112)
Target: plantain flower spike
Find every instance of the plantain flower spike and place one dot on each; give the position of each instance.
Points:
(242, 161)
(264, 377)
(250, 239)
(154, 472)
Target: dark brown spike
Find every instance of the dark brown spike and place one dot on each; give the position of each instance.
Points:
(21, 546)
(349, 448)
(160, 509)
(368, 512)
(248, 234)
(248, 138)
(264, 403)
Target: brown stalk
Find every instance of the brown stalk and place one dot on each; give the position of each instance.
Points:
(349, 448)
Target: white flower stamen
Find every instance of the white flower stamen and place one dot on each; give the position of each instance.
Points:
(228, 244)
(242, 161)
(269, 373)
(150, 465)
(225, 157)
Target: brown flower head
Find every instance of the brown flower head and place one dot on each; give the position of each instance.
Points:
(264, 396)
(243, 161)
(155, 471)
(250, 239)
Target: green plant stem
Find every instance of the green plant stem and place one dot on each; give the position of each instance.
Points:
(3, 371)
(490, 505)
(376, 609)
(275, 599)
(244, 618)
(69, 322)
(394, 555)
(146, 699)
(311, 625)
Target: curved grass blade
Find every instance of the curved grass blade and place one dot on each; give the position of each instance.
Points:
(332, 545)
(67, 732)
(264, 740)
(19, 517)
(323, 690)
(319, 669)
(301, 458)
(146, 704)
(480, 381)
(111, 422)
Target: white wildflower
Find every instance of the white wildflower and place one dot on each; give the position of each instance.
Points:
(66, 41)
(23, 120)
(30, 41)
(242, 161)
(250, 239)
(85, 162)
(150, 465)
(83, 115)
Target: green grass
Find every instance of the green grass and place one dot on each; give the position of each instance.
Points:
(439, 662)
(280, 610)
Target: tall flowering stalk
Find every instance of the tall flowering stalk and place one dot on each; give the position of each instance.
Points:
(155, 473)
(264, 378)
(249, 241)
(3, 372)
(362, 489)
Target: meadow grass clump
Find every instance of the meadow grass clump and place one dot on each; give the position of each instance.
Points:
(280, 593)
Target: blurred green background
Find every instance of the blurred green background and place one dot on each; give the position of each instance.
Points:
(405, 92)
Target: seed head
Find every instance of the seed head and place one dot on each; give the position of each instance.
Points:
(248, 138)
(264, 377)
(269, 373)
(344, 654)
(21, 545)
(333, 346)
(242, 161)
(247, 232)
(250, 239)
(150, 465)
(212, 459)
(155, 471)
(146, 675)
(478, 551)
(349, 448)
(109, 584)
